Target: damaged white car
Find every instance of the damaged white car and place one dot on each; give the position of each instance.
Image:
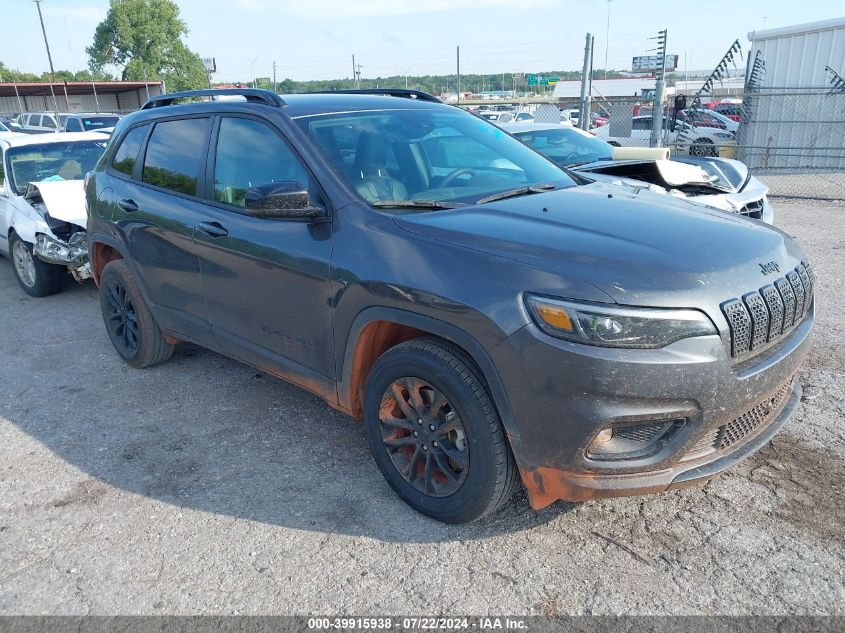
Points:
(715, 182)
(42, 206)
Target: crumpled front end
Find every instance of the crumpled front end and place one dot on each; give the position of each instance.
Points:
(72, 252)
(63, 241)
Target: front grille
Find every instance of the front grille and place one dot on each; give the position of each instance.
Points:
(764, 316)
(736, 430)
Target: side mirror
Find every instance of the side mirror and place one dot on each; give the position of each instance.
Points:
(281, 200)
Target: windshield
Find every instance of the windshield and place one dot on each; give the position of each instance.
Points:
(566, 145)
(441, 154)
(52, 161)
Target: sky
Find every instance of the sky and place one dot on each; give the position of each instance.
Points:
(315, 39)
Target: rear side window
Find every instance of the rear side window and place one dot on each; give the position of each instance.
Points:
(175, 155)
(47, 121)
(127, 154)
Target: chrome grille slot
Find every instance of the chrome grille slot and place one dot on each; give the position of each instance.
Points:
(740, 324)
(759, 318)
(788, 297)
(795, 282)
(774, 303)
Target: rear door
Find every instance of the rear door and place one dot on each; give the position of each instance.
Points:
(267, 281)
(157, 208)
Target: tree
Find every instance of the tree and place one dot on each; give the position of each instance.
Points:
(144, 38)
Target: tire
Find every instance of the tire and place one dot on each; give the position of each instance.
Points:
(130, 324)
(36, 277)
(464, 436)
(702, 147)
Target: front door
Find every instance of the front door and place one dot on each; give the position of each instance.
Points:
(157, 210)
(267, 281)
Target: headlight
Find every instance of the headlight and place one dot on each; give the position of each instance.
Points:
(616, 326)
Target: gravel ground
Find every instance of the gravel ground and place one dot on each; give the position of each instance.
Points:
(201, 486)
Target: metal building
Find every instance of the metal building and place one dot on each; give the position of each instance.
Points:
(793, 107)
(796, 56)
(77, 96)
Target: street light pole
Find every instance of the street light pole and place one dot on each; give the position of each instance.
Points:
(607, 38)
(49, 58)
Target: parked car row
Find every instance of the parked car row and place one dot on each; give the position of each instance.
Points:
(489, 314)
(43, 122)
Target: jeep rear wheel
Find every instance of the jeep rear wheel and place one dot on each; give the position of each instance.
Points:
(129, 322)
(435, 433)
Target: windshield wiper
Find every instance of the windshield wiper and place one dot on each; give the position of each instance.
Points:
(520, 191)
(416, 204)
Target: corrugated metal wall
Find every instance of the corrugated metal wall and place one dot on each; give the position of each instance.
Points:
(796, 57)
(793, 120)
(122, 103)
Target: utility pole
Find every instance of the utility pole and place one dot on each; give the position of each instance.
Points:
(459, 75)
(656, 139)
(358, 75)
(274, 77)
(586, 80)
(607, 38)
(354, 71)
(49, 57)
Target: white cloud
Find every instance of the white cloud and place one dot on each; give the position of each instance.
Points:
(87, 14)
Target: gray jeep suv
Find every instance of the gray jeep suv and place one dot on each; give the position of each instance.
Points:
(488, 315)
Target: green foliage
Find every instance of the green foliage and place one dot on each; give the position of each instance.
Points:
(430, 83)
(12, 75)
(144, 38)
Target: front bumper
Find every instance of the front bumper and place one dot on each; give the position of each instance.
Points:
(563, 394)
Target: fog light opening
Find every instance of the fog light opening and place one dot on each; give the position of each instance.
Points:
(632, 441)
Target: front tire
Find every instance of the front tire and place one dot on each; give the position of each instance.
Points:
(435, 433)
(36, 277)
(130, 324)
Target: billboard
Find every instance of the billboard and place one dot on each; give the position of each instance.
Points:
(650, 63)
(210, 64)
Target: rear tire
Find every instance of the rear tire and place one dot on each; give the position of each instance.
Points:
(36, 277)
(442, 448)
(130, 324)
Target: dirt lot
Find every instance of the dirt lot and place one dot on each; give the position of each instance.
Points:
(202, 486)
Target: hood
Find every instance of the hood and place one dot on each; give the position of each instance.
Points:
(63, 199)
(696, 177)
(639, 247)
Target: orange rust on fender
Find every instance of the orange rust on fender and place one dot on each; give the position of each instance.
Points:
(173, 340)
(102, 254)
(375, 339)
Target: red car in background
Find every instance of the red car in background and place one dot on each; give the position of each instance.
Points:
(731, 110)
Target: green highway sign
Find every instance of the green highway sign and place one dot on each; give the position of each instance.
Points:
(540, 80)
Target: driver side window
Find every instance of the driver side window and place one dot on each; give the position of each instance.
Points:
(249, 155)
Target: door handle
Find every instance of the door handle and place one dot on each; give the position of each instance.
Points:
(128, 205)
(214, 229)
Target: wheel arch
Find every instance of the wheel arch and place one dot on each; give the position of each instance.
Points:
(101, 251)
(377, 329)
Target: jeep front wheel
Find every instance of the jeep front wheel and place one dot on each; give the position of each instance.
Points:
(435, 433)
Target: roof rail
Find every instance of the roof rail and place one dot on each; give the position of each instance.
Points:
(252, 95)
(388, 92)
